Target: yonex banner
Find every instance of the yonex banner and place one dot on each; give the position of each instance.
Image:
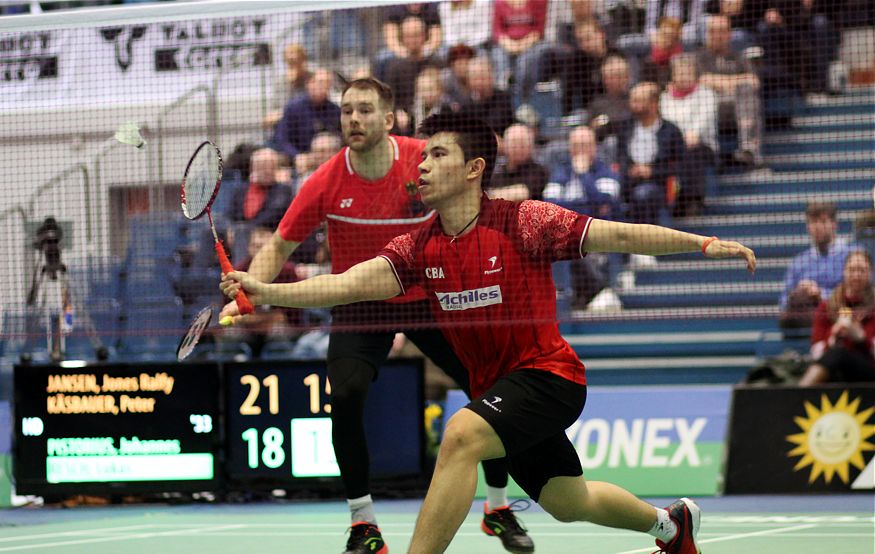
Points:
(791, 439)
(653, 441)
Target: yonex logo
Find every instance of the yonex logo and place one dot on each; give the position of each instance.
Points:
(468, 299)
(346, 203)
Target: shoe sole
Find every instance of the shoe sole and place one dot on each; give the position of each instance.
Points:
(491, 533)
(696, 515)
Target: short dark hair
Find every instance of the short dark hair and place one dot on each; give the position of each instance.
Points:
(475, 138)
(384, 91)
(459, 51)
(814, 210)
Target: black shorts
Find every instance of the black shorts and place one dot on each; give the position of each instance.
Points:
(530, 410)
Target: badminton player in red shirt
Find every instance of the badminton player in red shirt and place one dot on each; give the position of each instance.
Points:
(485, 265)
(368, 195)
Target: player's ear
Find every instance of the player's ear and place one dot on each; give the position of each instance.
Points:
(476, 167)
(390, 120)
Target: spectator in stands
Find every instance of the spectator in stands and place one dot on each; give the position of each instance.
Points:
(563, 17)
(813, 274)
(430, 98)
(267, 322)
(843, 335)
(307, 115)
(665, 44)
(467, 22)
(635, 41)
(582, 64)
(401, 70)
(693, 108)
(487, 103)
(688, 13)
(798, 40)
(586, 184)
(263, 201)
(292, 83)
(733, 78)
(455, 76)
(610, 111)
(518, 176)
(323, 146)
(394, 16)
(518, 33)
(735, 12)
(649, 151)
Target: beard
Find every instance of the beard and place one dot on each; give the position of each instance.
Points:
(367, 141)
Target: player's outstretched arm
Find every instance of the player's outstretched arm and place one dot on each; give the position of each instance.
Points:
(612, 236)
(369, 280)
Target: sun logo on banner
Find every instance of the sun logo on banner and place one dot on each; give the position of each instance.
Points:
(832, 438)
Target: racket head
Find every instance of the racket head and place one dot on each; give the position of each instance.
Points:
(198, 325)
(201, 180)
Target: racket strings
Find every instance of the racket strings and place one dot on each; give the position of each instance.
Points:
(200, 183)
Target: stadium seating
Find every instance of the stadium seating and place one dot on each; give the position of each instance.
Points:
(681, 322)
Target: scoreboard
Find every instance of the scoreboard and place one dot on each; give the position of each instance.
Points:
(278, 422)
(116, 428)
(184, 427)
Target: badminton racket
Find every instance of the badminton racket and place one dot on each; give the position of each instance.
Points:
(200, 186)
(189, 341)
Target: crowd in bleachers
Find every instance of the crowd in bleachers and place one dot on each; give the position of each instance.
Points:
(673, 91)
(625, 110)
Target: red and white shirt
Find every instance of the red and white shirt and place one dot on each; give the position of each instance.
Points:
(492, 290)
(362, 215)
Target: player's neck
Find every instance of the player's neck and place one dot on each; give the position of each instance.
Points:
(458, 218)
(375, 163)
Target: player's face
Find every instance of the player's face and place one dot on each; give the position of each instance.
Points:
(362, 120)
(443, 173)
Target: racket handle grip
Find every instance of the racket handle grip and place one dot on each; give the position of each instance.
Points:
(243, 303)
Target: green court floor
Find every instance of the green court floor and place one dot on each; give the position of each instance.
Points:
(319, 528)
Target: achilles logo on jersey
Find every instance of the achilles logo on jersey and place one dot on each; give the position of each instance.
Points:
(468, 299)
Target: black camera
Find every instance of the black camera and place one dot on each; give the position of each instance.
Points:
(48, 240)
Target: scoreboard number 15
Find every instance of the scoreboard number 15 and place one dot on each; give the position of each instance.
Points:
(271, 383)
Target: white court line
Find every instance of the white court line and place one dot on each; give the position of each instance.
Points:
(736, 536)
(69, 533)
(121, 537)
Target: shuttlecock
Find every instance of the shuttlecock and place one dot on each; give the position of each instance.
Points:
(129, 133)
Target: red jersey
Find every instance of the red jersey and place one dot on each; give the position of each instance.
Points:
(362, 215)
(492, 290)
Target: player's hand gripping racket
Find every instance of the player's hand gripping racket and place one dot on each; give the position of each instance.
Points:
(200, 186)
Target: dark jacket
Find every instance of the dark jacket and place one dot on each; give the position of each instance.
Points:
(279, 196)
(301, 121)
(669, 153)
(497, 111)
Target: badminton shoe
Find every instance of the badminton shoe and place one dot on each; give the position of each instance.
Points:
(686, 515)
(501, 523)
(365, 538)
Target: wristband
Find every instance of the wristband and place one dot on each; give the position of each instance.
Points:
(707, 242)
